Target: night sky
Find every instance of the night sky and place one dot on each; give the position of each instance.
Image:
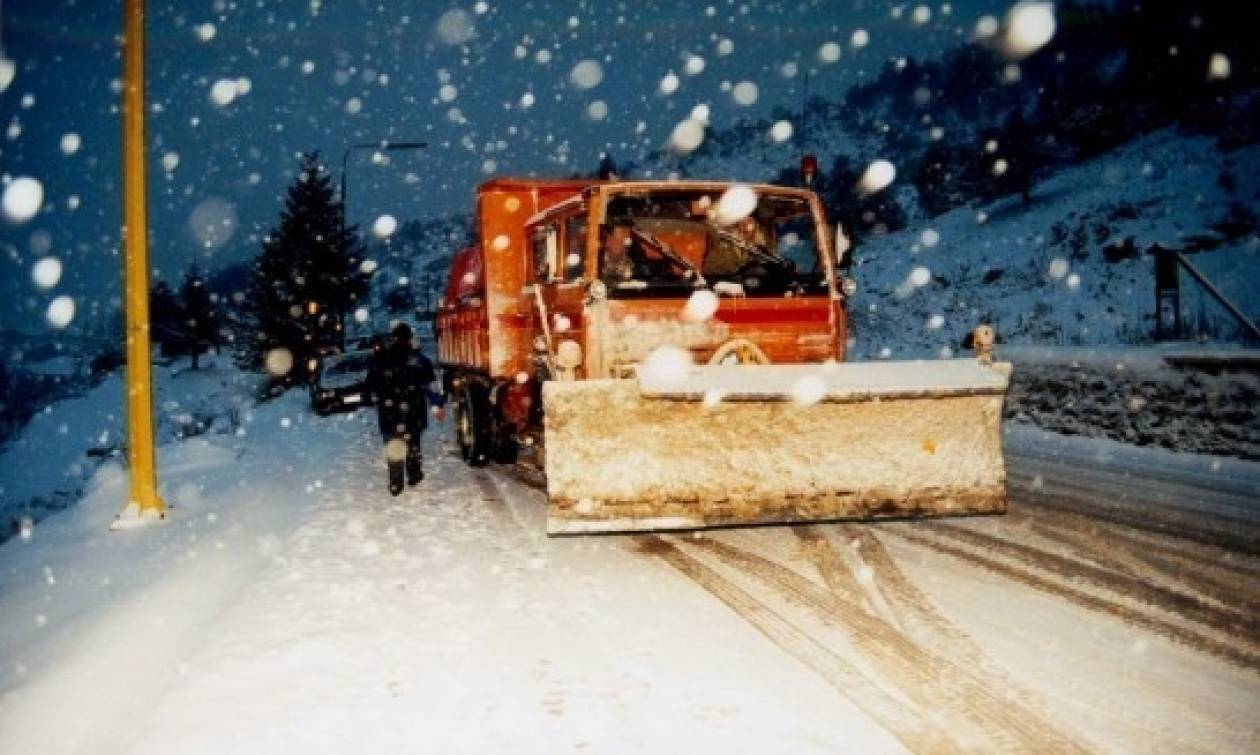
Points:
(322, 75)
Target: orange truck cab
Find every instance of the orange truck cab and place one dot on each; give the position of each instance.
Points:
(581, 280)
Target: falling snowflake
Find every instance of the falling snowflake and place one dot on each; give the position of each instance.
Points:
(60, 311)
(46, 273)
(8, 69)
(686, 136)
(781, 131)
(22, 199)
(455, 27)
(669, 84)
(279, 361)
(736, 203)
(700, 306)
(587, 74)
(223, 92)
(877, 176)
(745, 93)
(384, 226)
(70, 143)
(597, 110)
(808, 390)
(1029, 26)
(1218, 67)
(666, 364)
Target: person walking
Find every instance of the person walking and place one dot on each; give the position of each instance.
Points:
(404, 383)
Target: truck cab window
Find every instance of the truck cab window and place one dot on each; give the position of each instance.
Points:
(574, 248)
(545, 248)
(795, 242)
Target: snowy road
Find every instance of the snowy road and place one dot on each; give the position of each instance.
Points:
(292, 606)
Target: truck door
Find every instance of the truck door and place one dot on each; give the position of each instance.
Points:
(555, 294)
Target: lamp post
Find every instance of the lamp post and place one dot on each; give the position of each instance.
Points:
(382, 146)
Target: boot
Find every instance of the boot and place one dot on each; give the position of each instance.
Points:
(415, 467)
(395, 477)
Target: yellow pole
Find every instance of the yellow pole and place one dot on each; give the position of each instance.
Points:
(143, 503)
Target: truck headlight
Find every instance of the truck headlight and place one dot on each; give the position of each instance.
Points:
(848, 286)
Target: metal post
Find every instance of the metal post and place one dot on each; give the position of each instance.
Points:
(143, 502)
(1167, 295)
(384, 146)
(345, 167)
(1229, 306)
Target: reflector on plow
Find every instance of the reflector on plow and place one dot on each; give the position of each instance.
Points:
(749, 444)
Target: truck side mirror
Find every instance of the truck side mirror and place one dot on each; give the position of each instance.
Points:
(842, 246)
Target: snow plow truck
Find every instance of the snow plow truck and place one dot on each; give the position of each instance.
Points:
(672, 355)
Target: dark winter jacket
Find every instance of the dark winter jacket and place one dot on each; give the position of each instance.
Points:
(403, 381)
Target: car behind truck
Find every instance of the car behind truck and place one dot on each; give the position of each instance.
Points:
(673, 351)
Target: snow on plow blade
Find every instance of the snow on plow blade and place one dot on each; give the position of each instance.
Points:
(883, 439)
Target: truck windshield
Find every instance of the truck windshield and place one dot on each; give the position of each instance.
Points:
(671, 242)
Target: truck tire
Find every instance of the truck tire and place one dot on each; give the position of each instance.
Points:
(472, 424)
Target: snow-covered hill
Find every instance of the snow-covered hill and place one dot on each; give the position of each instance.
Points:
(1040, 274)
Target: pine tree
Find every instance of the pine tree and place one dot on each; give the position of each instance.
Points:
(202, 321)
(306, 279)
(165, 314)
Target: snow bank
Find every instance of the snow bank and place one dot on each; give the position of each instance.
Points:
(1134, 397)
(48, 464)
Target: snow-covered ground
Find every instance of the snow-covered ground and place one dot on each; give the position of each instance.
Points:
(290, 605)
(47, 464)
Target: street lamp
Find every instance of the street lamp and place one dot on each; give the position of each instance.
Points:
(382, 146)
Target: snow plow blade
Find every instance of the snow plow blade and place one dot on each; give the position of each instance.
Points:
(753, 444)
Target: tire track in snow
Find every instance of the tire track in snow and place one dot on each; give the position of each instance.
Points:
(913, 605)
(1215, 584)
(930, 681)
(1103, 505)
(917, 732)
(1051, 585)
(1239, 624)
(936, 631)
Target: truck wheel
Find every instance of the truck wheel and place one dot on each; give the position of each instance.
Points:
(472, 425)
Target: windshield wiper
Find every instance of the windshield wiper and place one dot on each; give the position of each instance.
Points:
(755, 250)
(669, 252)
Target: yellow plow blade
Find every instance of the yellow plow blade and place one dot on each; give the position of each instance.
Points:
(750, 444)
